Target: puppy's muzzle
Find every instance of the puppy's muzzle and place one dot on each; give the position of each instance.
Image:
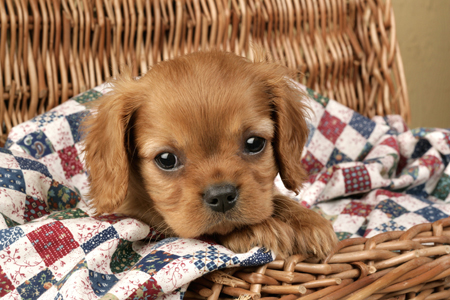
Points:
(221, 197)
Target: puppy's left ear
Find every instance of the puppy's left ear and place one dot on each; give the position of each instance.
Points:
(107, 147)
(291, 132)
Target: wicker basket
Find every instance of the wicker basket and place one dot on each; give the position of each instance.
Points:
(414, 264)
(51, 50)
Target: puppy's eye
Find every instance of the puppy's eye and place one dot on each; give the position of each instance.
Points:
(167, 161)
(254, 144)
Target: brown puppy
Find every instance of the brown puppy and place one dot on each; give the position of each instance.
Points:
(193, 147)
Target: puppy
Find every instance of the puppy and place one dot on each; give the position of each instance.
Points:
(193, 147)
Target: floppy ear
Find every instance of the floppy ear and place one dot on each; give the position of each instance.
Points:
(291, 132)
(106, 145)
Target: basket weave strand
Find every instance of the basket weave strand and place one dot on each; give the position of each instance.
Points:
(51, 50)
(412, 264)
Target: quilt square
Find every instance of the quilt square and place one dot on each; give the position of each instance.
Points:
(12, 205)
(412, 171)
(37, 184)
(410, 219)
(318, 112)
(209, 260)
(69, 107)
(149, 290)
(101, 283)
(431, 213)
(362, 124)
(410, 203)
(358, 208)
(391, 208)
(343, 235)
(20, 261)
(442, 189)
(388, 226)
(331, 127)
(12, 179)
(155, 261)
(311, 163)
(364, 152)
(321, 147)
(71, 213)
(36, 144)
(317, 97)
(350, 142)
(59, 134)
(340, 111)
(6, 151)
(8, 222)
(77, 286)
(7, 160)
(432, 163)
(66, 265)
(52, 241)
(77, 266)
(35, 208)
(70, 162)
(6, 286)
(47, 118)
(33, 165)
(337, 157)
(75, 123)
(421, 132)
(260, 257)
(87, 96)
(105, 235)
(357, 179)
(348, 223)
(135, 279)
(422, 146)
(9, 236)
(391, 142)
(37, 285)
(124, 258)
(60, 197)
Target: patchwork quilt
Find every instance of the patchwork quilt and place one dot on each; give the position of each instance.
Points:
(366, 177)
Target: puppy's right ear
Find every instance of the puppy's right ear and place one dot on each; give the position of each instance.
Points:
(106, 144)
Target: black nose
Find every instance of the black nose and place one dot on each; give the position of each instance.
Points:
(221, 197)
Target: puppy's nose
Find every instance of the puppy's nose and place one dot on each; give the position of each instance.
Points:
(221, 197)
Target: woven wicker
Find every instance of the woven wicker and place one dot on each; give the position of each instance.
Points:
(413, 264)
(51, 50)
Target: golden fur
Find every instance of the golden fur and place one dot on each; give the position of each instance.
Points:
(202, 107)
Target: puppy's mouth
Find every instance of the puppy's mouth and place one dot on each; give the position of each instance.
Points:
(222, 224)
(223, 208)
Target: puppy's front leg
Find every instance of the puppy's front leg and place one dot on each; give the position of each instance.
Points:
(292, 229)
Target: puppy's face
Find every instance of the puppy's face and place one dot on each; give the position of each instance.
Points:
(194, 145)
(206, 159)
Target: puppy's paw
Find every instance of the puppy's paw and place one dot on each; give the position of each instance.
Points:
(271, 234)
(293, 229)
(314, 235)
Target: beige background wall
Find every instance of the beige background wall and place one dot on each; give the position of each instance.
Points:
(423, 31)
